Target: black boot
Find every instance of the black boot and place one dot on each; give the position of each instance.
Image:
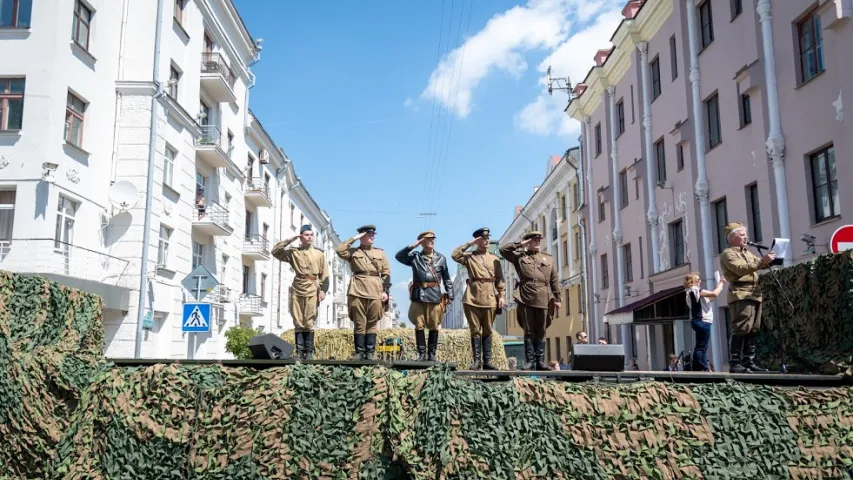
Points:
(432, 345)
(748, 359)
(476, 353)
(420, 341)
(529, 357)
(540, 355)
(358, 342)
(735, 357)
(369, 346)
(300, 345)
(487, 353)
(308, 353)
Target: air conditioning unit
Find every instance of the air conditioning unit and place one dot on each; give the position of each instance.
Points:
(264, 156)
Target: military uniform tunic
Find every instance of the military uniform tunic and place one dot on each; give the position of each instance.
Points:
(485, 287)
(371, 277)
(538, 283)
(740, 268)
(312, 277)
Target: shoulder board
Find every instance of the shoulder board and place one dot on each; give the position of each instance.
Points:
(377, 248)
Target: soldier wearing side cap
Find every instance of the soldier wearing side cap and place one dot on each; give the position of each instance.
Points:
(429, 271)
(484, 294)
(308, 289)
(740, 268)
(369, 288)
(537, 280)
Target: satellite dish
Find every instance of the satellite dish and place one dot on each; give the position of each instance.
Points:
(124, 195)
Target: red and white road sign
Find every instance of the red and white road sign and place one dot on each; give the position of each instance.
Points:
(842, 239)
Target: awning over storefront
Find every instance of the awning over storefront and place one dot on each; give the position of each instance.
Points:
(661, 307)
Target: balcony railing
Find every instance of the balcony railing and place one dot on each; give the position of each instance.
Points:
(213, 63)
(256, 244)
(211, 136)
(250, 304)
(46, 256)
(212, 213)
(256, 185)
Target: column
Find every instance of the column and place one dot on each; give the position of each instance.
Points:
(652, 213)
(617, 216)
(593, 250)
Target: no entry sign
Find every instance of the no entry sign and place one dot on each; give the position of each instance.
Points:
(842, 239)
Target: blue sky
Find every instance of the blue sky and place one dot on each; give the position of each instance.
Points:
(393, 108)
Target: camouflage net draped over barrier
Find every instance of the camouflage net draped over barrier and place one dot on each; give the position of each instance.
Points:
(817, 335)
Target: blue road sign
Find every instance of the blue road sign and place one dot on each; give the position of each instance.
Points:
(196, 317)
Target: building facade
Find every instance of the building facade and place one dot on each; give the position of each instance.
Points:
(553, 210)
(703, 113)
(158, 167)
(454, 317)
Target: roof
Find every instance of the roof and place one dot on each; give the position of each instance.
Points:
(625, 315)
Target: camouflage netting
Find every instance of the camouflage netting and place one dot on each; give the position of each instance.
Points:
(817, 334)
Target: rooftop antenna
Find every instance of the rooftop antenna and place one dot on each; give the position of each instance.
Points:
(564, 84)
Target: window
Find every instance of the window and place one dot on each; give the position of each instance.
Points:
(660, 160)
(75, 111)
(754, 212)
(737, 7)
(712, 121)
(65, 214)
(163, 247)
(745, 110)
(673, 57)
(81, 25)
(629, 263)
(620, 116)
(223, 279)
(565, 253)
(632, 103)
(246, 274)
(230, 143)
(706, 24)
(557, 344)
(824, 184)
(636, 187)
(565, 209)
(656, 86)
(581, 298)
(249, 221)
(601, 210)
(623, 188)
(576, 195)
(292, 211)
(208, 43)
(174, 79)
(721, 219)
(7, 220)
(568, 301)
(810, 39)
(676, 238)
(598, 139)
(679, 156)
(169, 165)
(16, 13)
(301, 219)
(548, 345)
(640, 244)
(577, 245)
(11, 103)
(263, 285)
(180, 5)
(605, 279)
(198, 253)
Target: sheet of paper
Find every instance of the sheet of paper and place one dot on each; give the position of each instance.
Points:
(716, 277)
(780, 247)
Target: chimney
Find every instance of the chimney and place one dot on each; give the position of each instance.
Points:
(631, 8)
(601, 57)
(579, 89)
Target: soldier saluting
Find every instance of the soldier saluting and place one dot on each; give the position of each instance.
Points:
(484, 294)
(429, 270)
(537, 278)
(367, 295)
(308, 289)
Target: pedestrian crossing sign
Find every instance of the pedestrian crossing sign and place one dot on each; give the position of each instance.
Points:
(196, 317)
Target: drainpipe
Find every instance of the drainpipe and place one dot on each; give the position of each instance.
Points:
(775, 140)
(579, 176)
(701, 187)
(149, 191)
(617, 216)
(652, 213)
(593, 250)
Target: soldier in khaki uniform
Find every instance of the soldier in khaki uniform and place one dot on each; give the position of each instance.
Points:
(537, 281)
(367, 297)
(740, 267)
(484, 294)
(308, 289)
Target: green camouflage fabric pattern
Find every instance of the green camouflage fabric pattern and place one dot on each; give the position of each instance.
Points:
(817, 335)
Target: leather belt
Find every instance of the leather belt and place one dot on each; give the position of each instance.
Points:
(307, 277)
(489, 279)
(534, 281)
(426, 285)
(744, 284)
(369, 274)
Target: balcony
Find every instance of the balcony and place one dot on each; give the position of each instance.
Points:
(212, 219)
(257, 191)
(219, 295)
(210, 148)
(217, 78)
(74, 266)
(256, 247)
(251, 305)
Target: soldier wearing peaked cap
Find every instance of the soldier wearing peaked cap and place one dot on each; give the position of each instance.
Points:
(484, 294)
(369, 288)
(308, 289)
(538, 294)
(429, 271)
(740, 267)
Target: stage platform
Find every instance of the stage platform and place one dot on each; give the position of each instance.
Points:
(770, 378)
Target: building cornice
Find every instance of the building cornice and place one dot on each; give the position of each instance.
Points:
(302, 198)
(176, 111)
(135, 88)
(262, 138)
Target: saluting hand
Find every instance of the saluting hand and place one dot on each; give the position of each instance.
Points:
(384, 297)
(359, 236)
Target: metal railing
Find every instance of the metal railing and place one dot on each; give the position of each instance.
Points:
(256, 243)
(250, 303)
(48, 256)
(219, 294)
(256, 185)
(214, 213)
(211, 136)
(214, 63)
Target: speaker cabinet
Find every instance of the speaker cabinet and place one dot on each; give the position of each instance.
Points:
(599, 358)
(270, 347)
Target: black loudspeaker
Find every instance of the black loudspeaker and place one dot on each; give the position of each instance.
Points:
(599, 358)
(270, 347)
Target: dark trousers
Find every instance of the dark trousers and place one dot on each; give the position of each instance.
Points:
(534, 321)
(703, 334)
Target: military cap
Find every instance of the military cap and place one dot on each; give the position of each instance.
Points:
(427, 234)
(305, 228)
(728, 229)
(367, 229)
(533, 234)
(481, 232)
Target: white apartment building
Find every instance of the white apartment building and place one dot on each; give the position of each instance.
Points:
(219, 187)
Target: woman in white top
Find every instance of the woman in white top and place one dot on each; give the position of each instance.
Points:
(699, 305)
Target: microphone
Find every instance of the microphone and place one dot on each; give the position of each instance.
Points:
(757, 245)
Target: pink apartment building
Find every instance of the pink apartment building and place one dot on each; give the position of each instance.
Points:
(705, 112)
